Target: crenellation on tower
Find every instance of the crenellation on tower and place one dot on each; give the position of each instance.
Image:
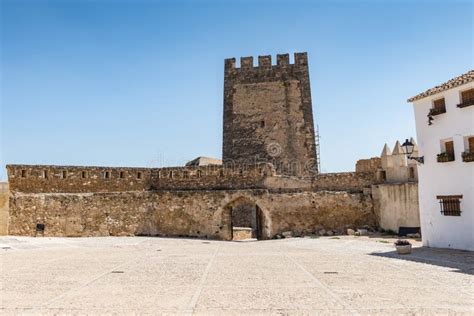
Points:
(283, 60)
(301, 59)
(246, 63)
(229, 64)
(265, 62)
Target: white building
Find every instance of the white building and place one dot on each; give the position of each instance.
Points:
(444, 118)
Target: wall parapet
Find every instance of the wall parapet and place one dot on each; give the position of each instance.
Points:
(265, 63)
(77, 179)
(343, 181)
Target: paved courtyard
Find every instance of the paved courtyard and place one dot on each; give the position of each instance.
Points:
(141, 275)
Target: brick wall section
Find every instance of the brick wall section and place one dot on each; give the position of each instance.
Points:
(268, 114)
(31, 178)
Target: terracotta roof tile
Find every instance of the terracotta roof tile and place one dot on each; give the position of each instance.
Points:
(455, 82)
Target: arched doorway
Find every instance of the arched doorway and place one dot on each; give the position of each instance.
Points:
(246, 218)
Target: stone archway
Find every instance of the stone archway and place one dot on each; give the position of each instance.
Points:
(246, 219)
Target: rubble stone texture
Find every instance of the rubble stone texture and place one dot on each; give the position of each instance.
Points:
(4, 208)
(268, 114)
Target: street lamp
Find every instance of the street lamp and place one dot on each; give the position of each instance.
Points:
(409, 146)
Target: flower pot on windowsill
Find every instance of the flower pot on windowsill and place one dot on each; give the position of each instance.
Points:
(403, 247)
(444, 157)
(467, 156)
(434, 111)
(466, 104)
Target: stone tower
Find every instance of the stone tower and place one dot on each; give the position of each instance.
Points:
(268, 114)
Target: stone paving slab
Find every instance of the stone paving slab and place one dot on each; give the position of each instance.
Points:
(298, 276)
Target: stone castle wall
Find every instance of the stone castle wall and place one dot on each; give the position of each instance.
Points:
(369, 165)
(203, 214)
(193, 201)
(4, 209)
(75, 179)
(268, 114)
(344, 181)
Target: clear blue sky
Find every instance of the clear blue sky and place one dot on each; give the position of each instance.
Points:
(140, 83)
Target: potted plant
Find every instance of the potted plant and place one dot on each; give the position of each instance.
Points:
(403, 246)
(445, 157)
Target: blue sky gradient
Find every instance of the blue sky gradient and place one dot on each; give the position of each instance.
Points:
(140, 83)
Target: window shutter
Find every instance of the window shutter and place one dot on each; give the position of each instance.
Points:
(439, 104)
(467, 95)
(471, 144)
(449, 148)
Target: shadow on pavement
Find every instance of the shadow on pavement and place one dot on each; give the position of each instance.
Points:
(458, 260)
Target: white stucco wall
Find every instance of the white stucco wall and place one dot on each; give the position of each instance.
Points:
(450, 178)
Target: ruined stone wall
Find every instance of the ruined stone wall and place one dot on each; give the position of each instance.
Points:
(74, 179)
(204, 214)
(4, 209)
(268, 114)
(369, 165)
(308, 212)
(343, 181)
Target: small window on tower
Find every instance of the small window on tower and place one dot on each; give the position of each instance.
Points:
(84, 174)
(107, 175)
(45, 174)
(64, 174)
(122, 174)
(262, 123)
(139, 175)
(23, 173)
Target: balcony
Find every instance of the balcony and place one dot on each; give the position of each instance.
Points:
(436, 111)
(465, 104)
(468, 156)
(445, 157)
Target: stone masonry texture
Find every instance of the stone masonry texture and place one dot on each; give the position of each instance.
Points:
(268, 114)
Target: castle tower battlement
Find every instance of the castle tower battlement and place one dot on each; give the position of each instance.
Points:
(265, 63)
(268, 114)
